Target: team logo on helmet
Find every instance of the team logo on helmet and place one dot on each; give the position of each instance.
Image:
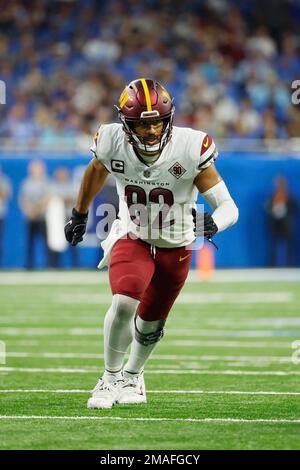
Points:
(123, 98)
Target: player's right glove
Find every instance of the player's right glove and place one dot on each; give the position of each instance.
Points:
(75, 228)
(204, 225)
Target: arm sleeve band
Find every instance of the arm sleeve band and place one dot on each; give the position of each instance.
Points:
(225, 212)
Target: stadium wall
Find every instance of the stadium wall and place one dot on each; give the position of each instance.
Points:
(249, 177)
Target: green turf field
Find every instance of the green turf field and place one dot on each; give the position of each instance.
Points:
(222, 377)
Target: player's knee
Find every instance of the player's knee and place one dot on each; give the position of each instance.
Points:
(124, 307)
(133, 285)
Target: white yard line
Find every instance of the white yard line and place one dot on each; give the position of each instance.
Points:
(158, 357)
(59, 370)
(71, 321)
(228, 344)
(41, 318)
(55, 355)
(182, 420)
(174, 392)
(24, 331)
(281, 322)
(98, 277)
(188, 298)
(70, 341)
(190, 362)
(53, 278)
(177, 332)
(93, 370)
(250, 275)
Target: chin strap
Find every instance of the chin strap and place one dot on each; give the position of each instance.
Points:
(150, 160)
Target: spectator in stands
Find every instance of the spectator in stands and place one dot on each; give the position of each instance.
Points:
(63, 188)
(5, 195)
(19, 127)
(281, 209)
(33, 199)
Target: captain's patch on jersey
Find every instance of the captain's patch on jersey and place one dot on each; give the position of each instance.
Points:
(206, 144)
(177, 170)
(117, 166)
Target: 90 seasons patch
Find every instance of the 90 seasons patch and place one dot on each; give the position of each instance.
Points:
(177, 170)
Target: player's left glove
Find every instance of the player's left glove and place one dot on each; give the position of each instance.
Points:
(75, 228)
(204, 225)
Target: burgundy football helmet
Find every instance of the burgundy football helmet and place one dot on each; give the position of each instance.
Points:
(146, 99)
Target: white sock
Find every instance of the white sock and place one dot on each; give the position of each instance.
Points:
(140, 353)
(112, 376)
(118, 331)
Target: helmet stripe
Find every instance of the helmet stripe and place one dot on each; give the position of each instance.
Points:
(166, 94)
(123, 98)
(147, 94)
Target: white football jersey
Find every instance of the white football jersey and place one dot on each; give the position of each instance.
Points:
(156, 200)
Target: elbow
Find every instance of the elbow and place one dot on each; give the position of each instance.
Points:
(235, 214)
(226, 215)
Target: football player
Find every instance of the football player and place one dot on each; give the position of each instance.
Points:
(161, 168)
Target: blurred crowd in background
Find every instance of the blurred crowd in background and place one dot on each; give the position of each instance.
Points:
(229, 65)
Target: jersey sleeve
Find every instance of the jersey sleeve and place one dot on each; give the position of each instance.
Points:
(202, 151)
(208, 152)
(93, 147)
(97, 147)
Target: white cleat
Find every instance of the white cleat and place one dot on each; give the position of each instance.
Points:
(105, 394)
(132, 390)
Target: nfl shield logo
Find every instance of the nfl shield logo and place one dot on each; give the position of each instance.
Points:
(177, 170)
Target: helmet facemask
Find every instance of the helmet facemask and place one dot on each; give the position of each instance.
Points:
(136, 141)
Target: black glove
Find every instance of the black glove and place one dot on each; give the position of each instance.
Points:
(75, 228)
(204, 225)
